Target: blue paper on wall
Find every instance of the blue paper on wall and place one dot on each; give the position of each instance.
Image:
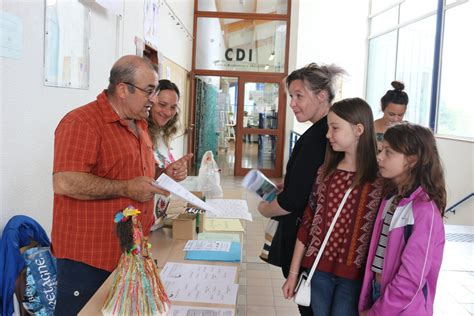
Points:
(233, 255)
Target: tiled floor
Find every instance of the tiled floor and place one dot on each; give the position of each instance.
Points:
(260, 284)
(250, 157)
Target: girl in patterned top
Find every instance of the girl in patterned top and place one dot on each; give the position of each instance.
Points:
(350, 162)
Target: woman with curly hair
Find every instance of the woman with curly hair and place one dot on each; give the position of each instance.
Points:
(163, 124)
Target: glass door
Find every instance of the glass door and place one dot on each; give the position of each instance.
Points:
(214, 125)
(260, 125)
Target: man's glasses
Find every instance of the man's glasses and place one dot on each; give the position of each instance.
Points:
(150, 92)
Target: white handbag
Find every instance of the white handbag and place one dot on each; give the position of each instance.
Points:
(303, 287)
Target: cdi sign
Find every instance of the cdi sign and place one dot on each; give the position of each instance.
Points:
(239, 54)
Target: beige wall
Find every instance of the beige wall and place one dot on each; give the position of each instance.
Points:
(458, 159)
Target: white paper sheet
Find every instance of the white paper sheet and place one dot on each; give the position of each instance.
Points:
(207, 245)
(174, 187)
(219, 236)
(177, 310)
(201, 291)
(198, 272)
(229, 208)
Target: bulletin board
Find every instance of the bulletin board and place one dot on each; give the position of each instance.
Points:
(180, 76)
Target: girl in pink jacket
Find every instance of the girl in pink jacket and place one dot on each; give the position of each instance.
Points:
(407, 243)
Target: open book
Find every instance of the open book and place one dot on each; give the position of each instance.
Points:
(255, 181)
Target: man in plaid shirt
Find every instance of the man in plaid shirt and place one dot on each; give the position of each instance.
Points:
(103, 162)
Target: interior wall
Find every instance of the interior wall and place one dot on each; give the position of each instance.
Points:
(31, 111)
(457, 158)
(328, 42)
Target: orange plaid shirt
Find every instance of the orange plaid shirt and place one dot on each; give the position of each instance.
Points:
(93, 139)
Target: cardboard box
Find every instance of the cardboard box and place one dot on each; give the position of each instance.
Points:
(199, 217)
(184, 226)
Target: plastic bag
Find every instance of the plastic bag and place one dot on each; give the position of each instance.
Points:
(41, 284)
(209, 179)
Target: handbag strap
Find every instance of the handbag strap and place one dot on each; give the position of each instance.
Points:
(328, 234)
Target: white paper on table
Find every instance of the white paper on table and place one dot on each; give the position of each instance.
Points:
(207, 245)
(219, 236)
(168, 184)
(201, 291)
(177, 310)
(198, 272)
(229, 208)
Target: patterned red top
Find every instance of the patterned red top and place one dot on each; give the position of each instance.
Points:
(93, 139)
(345, 254)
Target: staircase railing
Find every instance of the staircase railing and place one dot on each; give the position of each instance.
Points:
(453, 207)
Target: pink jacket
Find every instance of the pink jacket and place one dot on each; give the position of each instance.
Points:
(412, 258)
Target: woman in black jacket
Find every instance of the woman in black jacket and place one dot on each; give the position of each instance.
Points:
(311, 90)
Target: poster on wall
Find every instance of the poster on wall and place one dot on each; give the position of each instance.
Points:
(66, 44)
(150, 22)
(11, 43)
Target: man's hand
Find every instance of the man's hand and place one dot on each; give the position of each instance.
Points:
(178, 170)
(141, 189)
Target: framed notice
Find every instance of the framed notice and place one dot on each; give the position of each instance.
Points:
(66, 44)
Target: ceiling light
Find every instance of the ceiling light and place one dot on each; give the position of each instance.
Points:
(272, 56)
(266, 67)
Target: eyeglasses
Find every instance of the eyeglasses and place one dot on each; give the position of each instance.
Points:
(151, 92)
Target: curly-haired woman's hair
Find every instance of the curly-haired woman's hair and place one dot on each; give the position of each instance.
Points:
(172, 127)
(317, 77)
(124, 232)
(355, 111)
(397, 95)
(415, 140)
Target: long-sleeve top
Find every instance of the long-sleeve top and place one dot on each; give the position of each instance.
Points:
(412, 258)
(346, 251)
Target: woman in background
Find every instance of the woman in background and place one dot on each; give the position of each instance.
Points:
(394, 105)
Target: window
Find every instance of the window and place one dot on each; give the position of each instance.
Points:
(381, 69)
(242, 6)
(455, 114)
(415, 67)
(408, 51)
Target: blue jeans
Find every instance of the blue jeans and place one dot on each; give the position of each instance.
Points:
(375, 290)
(77, 282)
(334, 296)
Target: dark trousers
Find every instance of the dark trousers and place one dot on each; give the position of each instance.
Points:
(305, 310)
(77, 283)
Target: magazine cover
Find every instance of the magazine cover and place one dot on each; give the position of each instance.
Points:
(255, 181)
